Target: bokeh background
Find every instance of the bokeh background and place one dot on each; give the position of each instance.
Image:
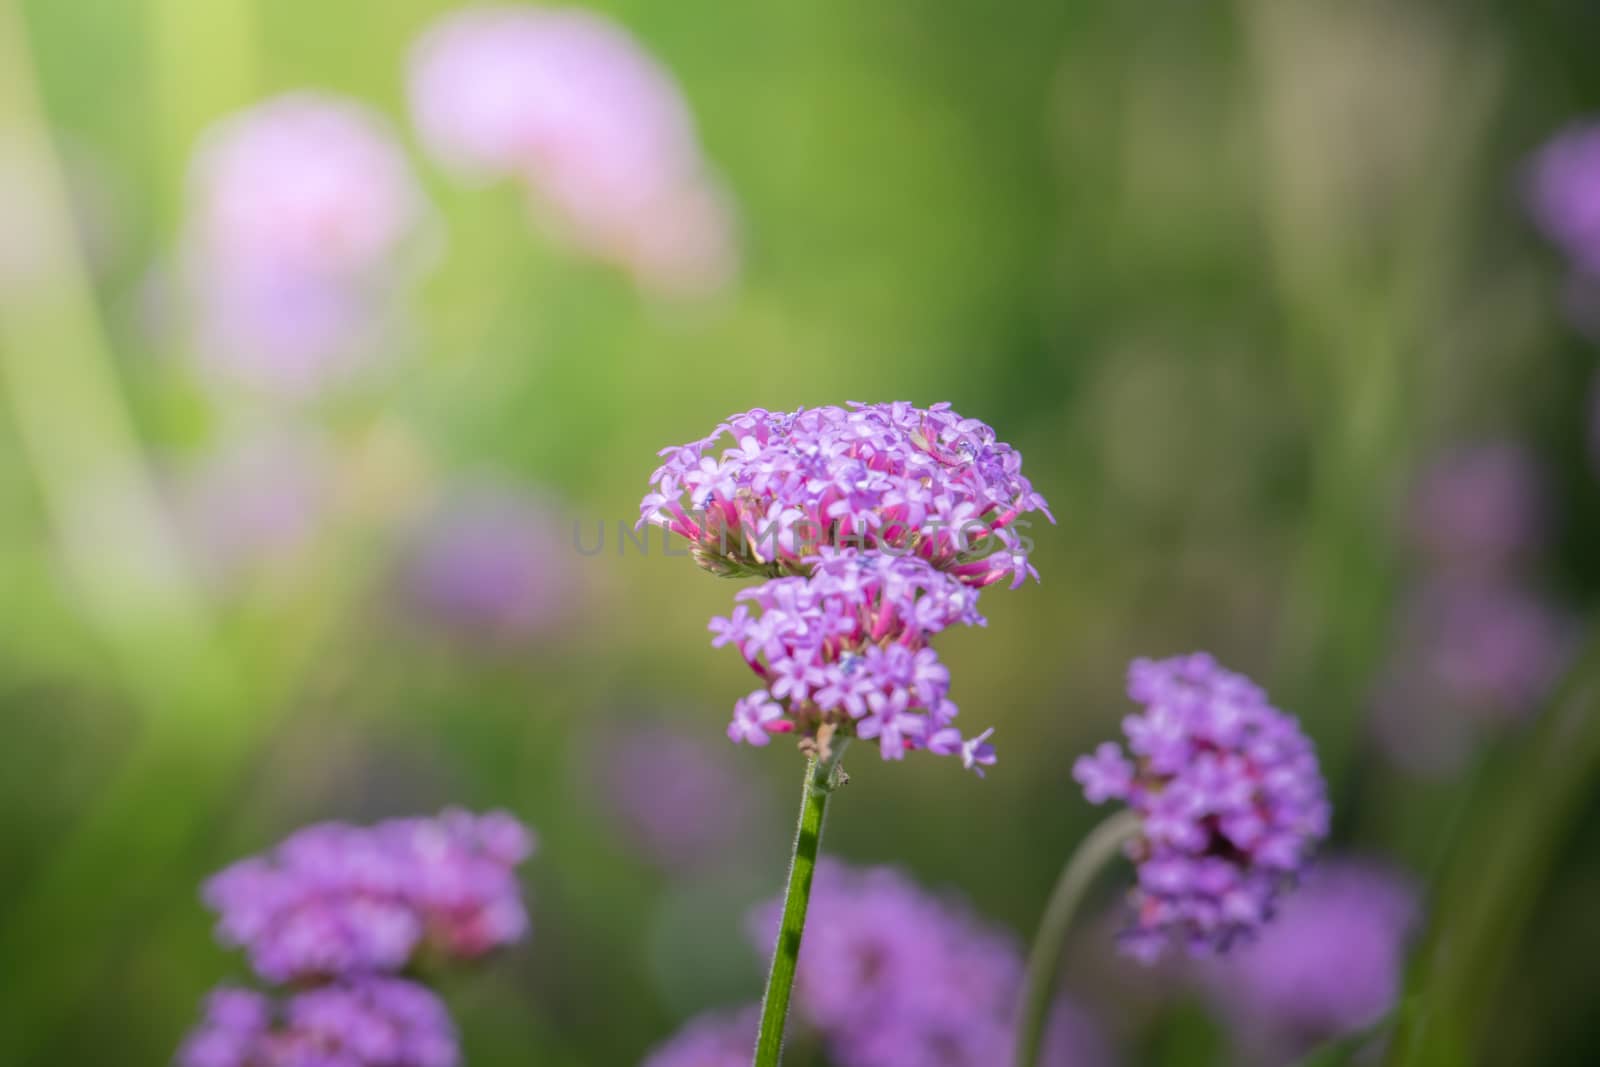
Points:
(1252, 285)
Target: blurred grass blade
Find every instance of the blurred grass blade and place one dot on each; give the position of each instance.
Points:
(1510, 841)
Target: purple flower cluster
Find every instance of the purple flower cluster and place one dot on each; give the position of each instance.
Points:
(299, 209)
(1564, 194)
(486, 569)
(717, 1039)
(893, 976)
(253, 503)
(567, 102)
(335, 910)
(1477, 644)
(846, 651)
(1230, 801)
(893, 478)
(335, 900)
(368, 1022)
(1329, 964)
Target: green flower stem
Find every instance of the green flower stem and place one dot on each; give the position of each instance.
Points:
(822, 778)
(1044, 962)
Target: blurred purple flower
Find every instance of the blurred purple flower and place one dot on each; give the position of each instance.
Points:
(335, 900)
(299, 210)
(1480, 507)
(716, 1039)
(1230, 798)
(678, 800)
(491, 567)
(371, 1022)
(1329, 964)
(568, 102)
(1468, 655)
(892, 976)
(893, 477)
(1564, 193)
(846, 650)
(253, 503)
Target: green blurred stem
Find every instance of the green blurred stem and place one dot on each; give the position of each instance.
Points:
(1044, 963)
(1512, 836)
(823, 776)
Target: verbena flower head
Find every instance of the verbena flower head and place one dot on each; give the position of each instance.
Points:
(254, 503)
(676, 797)
(335, 899)
(489, 569)
(1470, 655)
(568, 102)
(1564, 194)
(1331, 962)
(1230, 799)
(766, 489)
(372, 1022)
(1482, 507)
(846, 651)
(716, 1039)
(891, 975)
(298, 211)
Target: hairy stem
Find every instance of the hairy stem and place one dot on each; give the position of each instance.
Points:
(1044, 962)
(822, 778)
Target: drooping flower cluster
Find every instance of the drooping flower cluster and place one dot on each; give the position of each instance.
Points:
(846, 651)
(1230, 800)
(567, 102)
(893, 976)
(370, 1022)
(298, 211)
(894, 478)
(1329, 964)
(335, 899)
(1477, 642)
(337, 910)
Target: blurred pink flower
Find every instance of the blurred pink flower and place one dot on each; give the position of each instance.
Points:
(490, 568)
(1330, 964)
(252, 504)
(1469, 656)
(300, 210)
(568, 102)
(1480, 507)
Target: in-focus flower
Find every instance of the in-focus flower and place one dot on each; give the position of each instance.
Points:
(1480, 507)
(1328, 965)
(893, 976)
(1468, 656)
(716, 1039)
(334, 899)
(890, 477)
(845, 653)
(566, 101)
(1230, 801)
(299, 211)
(1564, 194)
(370, 1022)
(490, 568)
